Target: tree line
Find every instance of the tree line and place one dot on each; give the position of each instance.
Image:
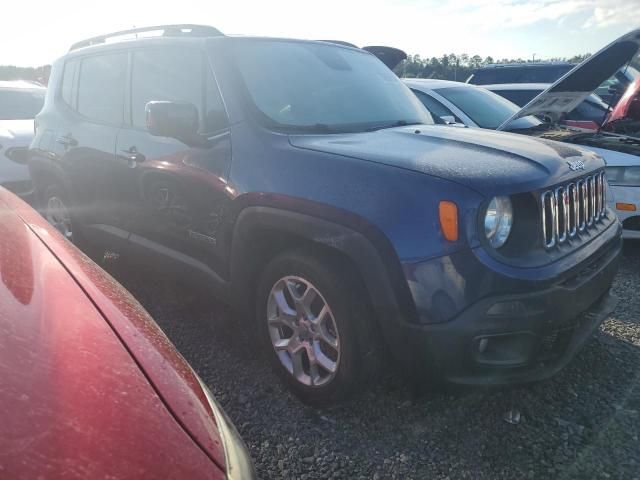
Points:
(446, 67)
(458, 67)
(32, 74)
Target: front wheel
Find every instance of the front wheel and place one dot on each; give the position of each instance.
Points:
(312, 319)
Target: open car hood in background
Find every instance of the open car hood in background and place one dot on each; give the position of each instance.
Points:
(575, 86)
(388, 55)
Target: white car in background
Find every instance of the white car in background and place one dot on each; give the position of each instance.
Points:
(476, 107)
(19, 103)
(589, 114)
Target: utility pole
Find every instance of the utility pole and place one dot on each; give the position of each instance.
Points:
(534, 58)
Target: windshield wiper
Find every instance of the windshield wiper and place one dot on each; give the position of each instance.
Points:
(398, 123)
(314, 128)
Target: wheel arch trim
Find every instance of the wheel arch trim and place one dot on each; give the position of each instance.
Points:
(384, 280)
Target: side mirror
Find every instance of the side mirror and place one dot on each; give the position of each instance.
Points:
(177, 120)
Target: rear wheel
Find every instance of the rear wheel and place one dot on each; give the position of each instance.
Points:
(313, 322)
(55, 208)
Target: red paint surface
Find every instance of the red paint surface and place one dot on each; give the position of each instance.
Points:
(587, 124)
(73, 401)
(628, 104)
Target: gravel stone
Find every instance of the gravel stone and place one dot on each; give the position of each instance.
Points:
(583, 423)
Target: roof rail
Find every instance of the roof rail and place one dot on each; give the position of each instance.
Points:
(186, 30)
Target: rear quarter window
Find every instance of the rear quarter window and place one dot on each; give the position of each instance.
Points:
(68, 90)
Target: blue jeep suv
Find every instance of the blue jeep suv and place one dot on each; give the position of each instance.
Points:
(304, 184)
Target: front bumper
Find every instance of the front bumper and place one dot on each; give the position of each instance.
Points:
(630, 219)
(517, 337)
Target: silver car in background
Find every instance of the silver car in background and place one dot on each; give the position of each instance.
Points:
(20, 101)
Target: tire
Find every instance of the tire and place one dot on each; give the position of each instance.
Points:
(56, 209)
(74, 235)
(345, 323)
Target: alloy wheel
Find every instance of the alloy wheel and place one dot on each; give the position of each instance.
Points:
(303, 331)
(58, 216)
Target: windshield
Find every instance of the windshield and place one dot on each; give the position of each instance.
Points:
(326, 88)
(485, 108)
(20, 104)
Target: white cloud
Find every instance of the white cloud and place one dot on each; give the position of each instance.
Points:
(623, 13)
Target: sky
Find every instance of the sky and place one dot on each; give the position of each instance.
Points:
(37, 32)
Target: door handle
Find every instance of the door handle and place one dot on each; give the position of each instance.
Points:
(67, 141)
(133, 156)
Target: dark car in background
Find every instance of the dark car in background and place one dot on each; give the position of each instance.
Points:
(303, 183)
(91, 387)
(527, 72)
(20, 102)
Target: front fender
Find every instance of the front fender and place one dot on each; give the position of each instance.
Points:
(371, 253)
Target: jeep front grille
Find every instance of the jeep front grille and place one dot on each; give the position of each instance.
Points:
(572, 209)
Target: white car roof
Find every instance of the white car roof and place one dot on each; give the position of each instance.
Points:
(518, 86)
(20, 84)
(433, 84)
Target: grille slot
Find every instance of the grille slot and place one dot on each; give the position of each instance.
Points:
(572, 209)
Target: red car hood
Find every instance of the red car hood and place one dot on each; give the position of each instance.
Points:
(580, 82)
(630, 97)
(90, 384)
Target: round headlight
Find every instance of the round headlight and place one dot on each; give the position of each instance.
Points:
(498, 220)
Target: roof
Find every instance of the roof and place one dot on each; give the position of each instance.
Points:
(517, 86)
(21, 84)
(526, 64)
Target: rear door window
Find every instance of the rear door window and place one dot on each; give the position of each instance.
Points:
(101, 87)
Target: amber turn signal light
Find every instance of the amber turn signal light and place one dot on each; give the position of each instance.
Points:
(629, 207)
(449, 220)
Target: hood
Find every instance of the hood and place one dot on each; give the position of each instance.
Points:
(575, 86)
(489, 162)
(162, 365)
(628, 107)
(118, 383)
(390, 56)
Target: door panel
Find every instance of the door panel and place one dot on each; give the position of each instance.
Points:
(87, 138)
(177, 194)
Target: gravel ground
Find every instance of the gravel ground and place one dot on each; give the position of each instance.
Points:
(584, 423)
